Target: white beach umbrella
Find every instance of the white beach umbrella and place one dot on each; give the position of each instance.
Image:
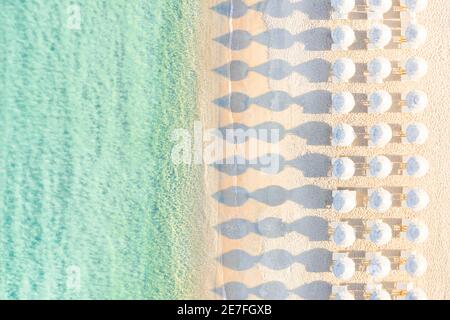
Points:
(416, 232)
(380, 199)
(416, 294)
(342, 102)
(417, 166)
(379, 68)
(415, 35)
(380, 233)
(379, 267)
(380, 294)
(379, 101)
(379, 35)
(343, 6)
(344, 295)
(416, 101)
(344, 235)
(343, 268)
(416, 133)
(342, 135)
(416, 265)
(415, 6)
(417, 199)
(380, 167)
(379, 135)
(343, 168)
(343, 36)
(343, 69)
(344, 200)
(379, 6)
(416, 68)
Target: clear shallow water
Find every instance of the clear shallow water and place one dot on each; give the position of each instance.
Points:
(86, 180)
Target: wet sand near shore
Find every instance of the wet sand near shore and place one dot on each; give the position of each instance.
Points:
(291, 250)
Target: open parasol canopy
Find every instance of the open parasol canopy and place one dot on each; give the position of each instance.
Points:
(379, 36)
(343, 36)
(416, 294)
(344, 235)
(343, 6)
(416, 68)
(417, 232)
(416, 101)
(415, 6)
(379, 68)
(344, 295)
(342, 102)
(343, 268)
(380, 233)
(380, 294)
(380, 6)
(379, 267)
(417, 166)
(342, 135)
(416, 265)
(415, 35)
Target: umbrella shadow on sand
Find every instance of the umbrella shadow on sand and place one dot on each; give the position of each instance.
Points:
(314, 228)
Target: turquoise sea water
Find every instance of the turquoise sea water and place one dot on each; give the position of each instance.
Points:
(90, 204)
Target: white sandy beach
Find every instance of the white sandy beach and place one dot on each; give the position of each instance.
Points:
(305, 252)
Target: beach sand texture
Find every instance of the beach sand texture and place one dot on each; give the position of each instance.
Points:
(283, 250)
